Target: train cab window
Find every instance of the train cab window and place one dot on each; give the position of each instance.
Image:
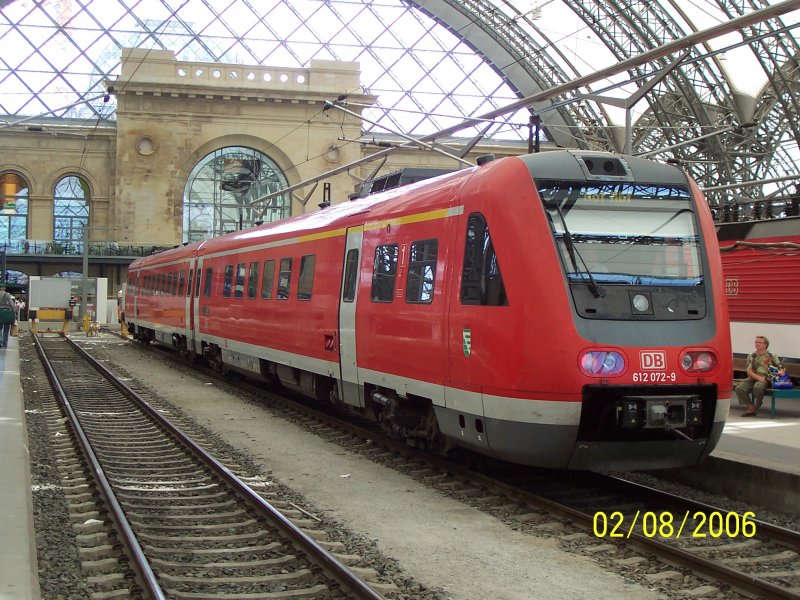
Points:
(252, 280)
(383, 273)
(305, 280)
(181, 282)
(208, 281)
(350, 275)
(421, 272)
(240, 273)
(481, 280)
(189, 283)
(269, 279)
(284, 278)
(227, 284)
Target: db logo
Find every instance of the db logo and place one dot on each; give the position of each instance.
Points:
(653, 359)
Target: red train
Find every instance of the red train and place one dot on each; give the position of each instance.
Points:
(563, 309)
(761, 264)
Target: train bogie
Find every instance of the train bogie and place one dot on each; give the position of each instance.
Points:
(560, 310)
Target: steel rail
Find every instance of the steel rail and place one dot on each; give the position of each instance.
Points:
(141, 566)
(782, 535)
(669, 553)
(346, 578)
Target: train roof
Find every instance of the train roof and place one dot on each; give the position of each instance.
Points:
(391, 203)
(765, 229)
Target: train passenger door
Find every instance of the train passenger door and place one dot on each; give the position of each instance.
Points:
(189, 304)
(194, 309)
(349, 385)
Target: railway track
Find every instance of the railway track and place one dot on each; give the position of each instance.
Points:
(180, 523)
(628, 525)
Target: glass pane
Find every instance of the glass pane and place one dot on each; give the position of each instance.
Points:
(221, 187)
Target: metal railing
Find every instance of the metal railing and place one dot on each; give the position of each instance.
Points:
(73, 248)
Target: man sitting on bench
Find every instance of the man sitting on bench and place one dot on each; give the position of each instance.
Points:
(757, 381)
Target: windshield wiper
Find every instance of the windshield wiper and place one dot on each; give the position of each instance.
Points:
(597, 291)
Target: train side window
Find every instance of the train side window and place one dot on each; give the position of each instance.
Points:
(240, 273)
(269, 279)
(227, 284)
(189, 282)
(175, 279)
(164, 282)
(481, 279)
(383, 273)
(350, 275)
(252, 280)
(284, 278)
(421, 271)
(197, 284)
(181, 282)
(209, 279)
(305, 281)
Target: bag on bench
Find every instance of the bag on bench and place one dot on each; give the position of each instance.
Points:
(780, 380)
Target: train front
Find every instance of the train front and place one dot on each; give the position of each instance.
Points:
(651, 338)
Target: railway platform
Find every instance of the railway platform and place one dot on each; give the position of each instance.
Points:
(18, 565)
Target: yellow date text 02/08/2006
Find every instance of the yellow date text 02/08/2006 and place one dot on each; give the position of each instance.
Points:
(664, 525)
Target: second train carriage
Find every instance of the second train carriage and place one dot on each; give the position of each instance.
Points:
(761, 266)
(563, 309)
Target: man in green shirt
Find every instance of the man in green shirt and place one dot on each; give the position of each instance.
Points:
(757, 381)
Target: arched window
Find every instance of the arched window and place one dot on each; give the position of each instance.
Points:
(221, 187)
(13, 212)
(71, 214)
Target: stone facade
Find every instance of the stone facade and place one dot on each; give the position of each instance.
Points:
(171, 114)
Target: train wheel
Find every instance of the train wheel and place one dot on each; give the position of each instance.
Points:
(213, 357)
(410, 419)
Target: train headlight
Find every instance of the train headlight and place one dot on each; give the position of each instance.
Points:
(640, 303)
(602, 363)
(698, 361)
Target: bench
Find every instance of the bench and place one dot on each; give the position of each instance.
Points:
(774, 394)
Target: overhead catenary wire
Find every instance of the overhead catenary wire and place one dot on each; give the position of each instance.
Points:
(620, 67)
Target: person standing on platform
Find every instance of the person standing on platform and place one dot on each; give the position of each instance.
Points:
(8, 307)
(757, 381)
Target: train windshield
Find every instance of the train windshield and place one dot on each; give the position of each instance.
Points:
(625, 233)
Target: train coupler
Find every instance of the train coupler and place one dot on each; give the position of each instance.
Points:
(659, 412)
